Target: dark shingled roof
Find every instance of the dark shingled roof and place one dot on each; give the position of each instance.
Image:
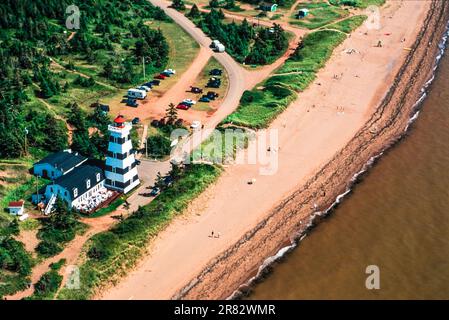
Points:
(77, 179)
(63, 160)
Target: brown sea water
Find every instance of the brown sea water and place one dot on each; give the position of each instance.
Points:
(396, 219)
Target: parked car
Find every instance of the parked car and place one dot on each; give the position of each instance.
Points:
(195, 125)
(167, 74)
(214, 84)
(155, 82)
(104, 107)
(215, 72)
(148, 84)
(196, 90)
(155, 191)
(136, 120)
(189, 101)
(144, 88)
(160, 76)
(212, 95)
(168, 180)
(204, 99)
(132, 103)
(172, 71)
(138, 162)
(155, 123)
(183, 106)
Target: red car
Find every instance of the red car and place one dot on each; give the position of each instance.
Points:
(183, 106)
(160, 76)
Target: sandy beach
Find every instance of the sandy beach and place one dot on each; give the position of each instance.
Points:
(326, 136)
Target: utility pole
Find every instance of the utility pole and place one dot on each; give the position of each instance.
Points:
(143, 66)
(146, 148)
(26, 142)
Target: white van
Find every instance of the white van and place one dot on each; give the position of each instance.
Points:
(137, 94)
(219, 48)
(215, 43)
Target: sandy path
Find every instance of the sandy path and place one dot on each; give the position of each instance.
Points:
(311, 131)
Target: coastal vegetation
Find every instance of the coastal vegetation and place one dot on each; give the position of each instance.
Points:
(357, 3)
(320, 14)
(110, 254)
(48, 285)
(15, 261)
(260, 106)
(57, 230)
(348, 25)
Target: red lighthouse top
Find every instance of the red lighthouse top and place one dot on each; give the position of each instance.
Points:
(119, 121)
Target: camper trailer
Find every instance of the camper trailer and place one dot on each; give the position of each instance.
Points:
(137, 94)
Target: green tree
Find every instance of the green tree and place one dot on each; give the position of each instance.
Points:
(178, 5)
(171, 113)
(214, 4)
(108, 69)
(194, 12)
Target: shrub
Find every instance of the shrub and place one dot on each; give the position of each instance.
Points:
(102, 246)
(48, 248)
(158, 146)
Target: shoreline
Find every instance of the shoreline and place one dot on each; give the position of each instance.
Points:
(293, 216)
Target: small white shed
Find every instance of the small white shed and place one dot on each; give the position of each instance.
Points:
(16, 207)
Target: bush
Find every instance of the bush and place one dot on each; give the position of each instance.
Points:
(47, 286)
(158, 146)
(102, 246)
(48, 248)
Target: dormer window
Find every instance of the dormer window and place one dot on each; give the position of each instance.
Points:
(75, 192)
(88, 183)
(98, 177)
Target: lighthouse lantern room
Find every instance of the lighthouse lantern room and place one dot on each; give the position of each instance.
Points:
(120, 171)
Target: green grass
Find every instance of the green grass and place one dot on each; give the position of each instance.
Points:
(16, 182)
(113, 253)
(110, 208)
(47, 286)
(320, 14)
(348, 25)
(219, 148)
(357, 3)
(317, 48)
(260, 106)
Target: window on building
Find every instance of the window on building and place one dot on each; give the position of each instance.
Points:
(75, 192)
(88, 183)
(98, 177)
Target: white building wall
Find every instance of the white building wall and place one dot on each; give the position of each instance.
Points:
(127, 162)
(16, 211)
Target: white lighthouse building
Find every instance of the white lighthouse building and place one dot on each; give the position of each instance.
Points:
(121, 172)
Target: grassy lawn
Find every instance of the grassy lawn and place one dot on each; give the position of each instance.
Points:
(106, 210)
(320, 14)
(260, 106)
(183, 50)
(17, 183)
(109, 255)
(348, 25)
(357, 3)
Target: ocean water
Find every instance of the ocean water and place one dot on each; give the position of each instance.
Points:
(396, 219)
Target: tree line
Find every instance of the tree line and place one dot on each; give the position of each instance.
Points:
(247, 43)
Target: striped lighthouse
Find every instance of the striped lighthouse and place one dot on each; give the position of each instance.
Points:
(120, 171)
